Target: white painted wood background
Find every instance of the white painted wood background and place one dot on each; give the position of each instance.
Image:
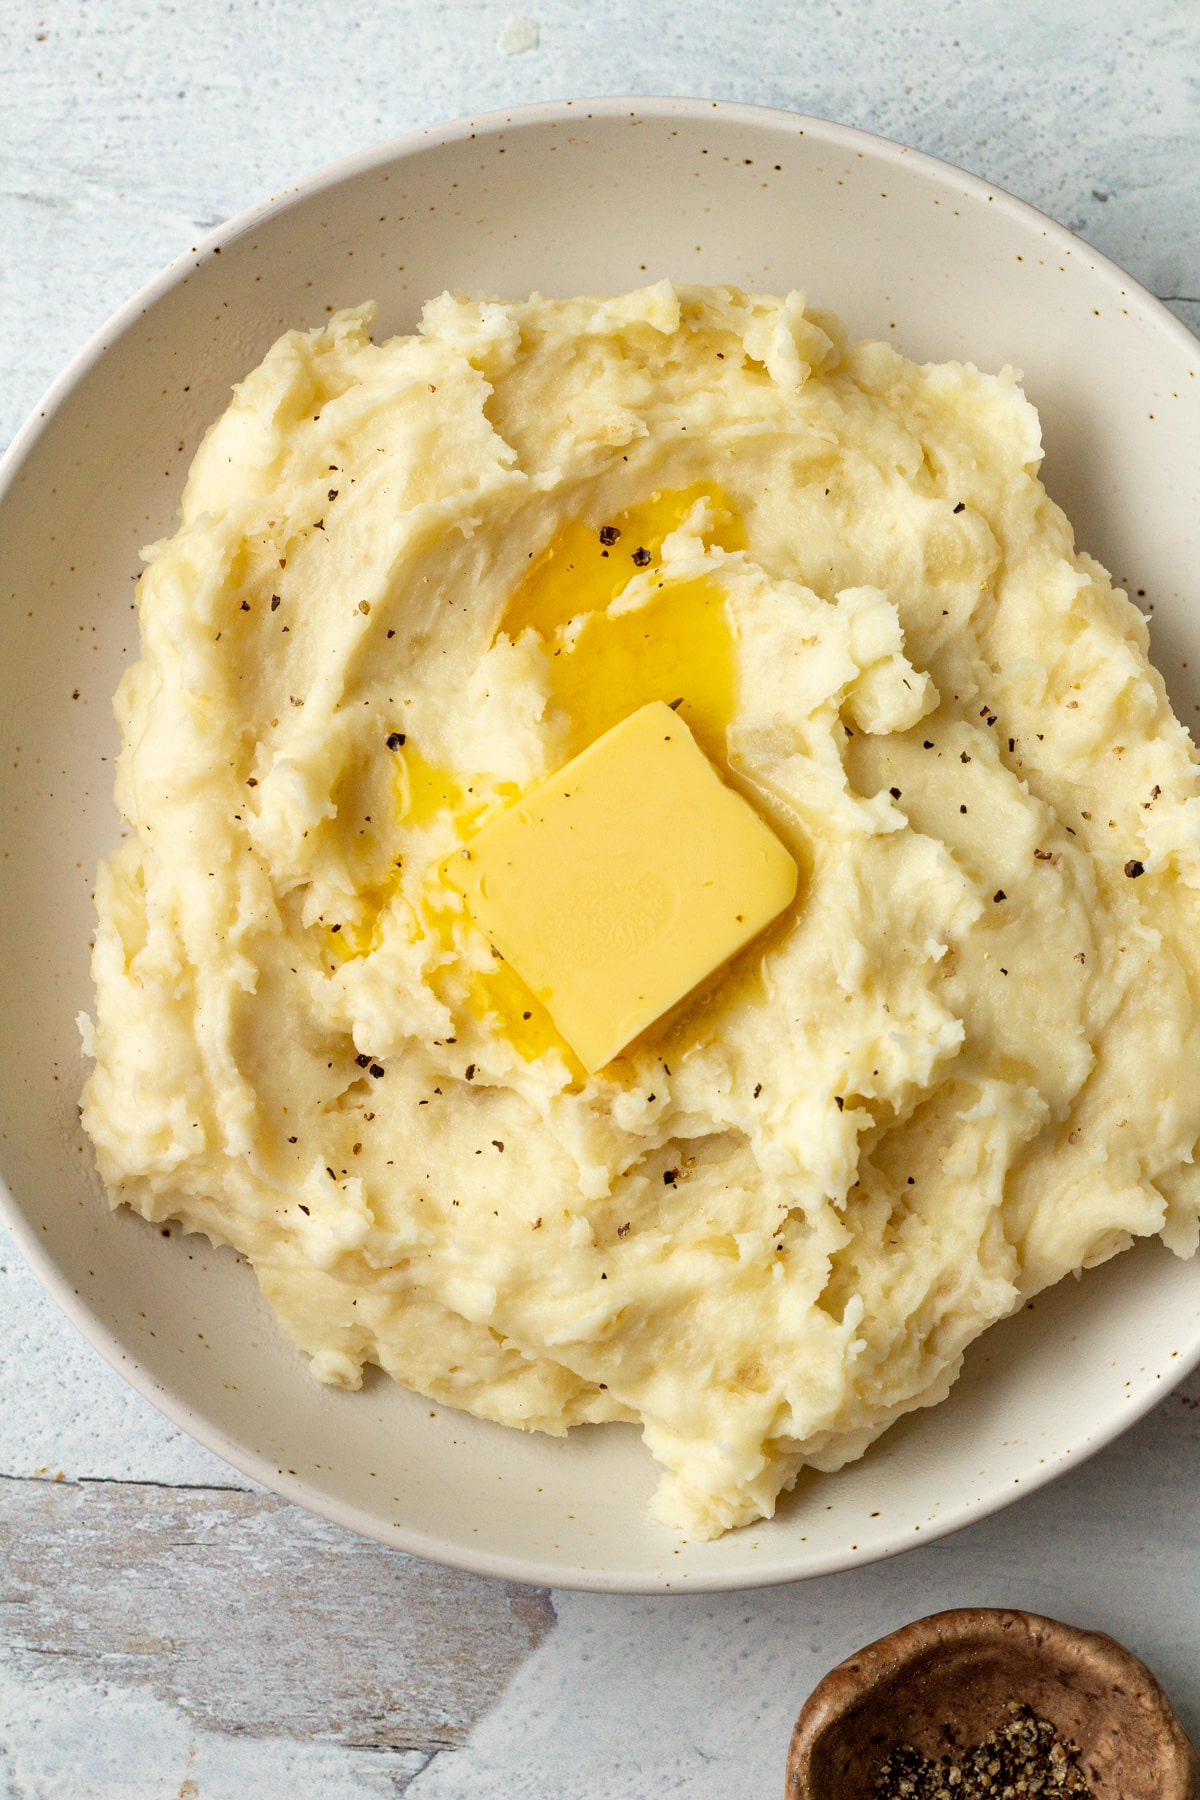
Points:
(165, 1630)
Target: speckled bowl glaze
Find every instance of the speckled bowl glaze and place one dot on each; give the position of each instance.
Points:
(566, 198)
(942, 1684)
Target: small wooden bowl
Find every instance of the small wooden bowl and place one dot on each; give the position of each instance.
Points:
(944, 1684)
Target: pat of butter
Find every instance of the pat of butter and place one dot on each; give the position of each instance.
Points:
(623, 881)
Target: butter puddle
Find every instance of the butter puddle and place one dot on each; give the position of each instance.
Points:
(677, 647)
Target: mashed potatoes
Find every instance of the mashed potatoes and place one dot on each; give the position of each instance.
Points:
(412, 579)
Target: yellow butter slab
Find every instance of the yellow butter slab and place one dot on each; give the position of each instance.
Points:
(623, 881)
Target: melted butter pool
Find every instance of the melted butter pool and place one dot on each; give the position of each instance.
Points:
(677, 646)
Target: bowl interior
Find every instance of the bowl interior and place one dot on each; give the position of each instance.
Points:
(590, 196)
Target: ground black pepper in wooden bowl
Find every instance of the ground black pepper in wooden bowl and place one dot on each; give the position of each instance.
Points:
(1024, 1756)
(986, 1703)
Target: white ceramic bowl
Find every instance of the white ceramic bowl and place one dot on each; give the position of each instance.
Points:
(590, 196)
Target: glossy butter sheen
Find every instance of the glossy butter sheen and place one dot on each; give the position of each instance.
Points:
(622, 882)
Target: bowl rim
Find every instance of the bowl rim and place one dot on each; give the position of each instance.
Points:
(255, 1467)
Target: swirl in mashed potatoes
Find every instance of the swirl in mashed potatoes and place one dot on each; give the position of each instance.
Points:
(413, 578)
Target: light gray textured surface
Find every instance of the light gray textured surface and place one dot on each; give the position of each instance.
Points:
(125, 127)
(139, 1585)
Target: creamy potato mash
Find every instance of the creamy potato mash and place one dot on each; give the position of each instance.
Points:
(412, 579)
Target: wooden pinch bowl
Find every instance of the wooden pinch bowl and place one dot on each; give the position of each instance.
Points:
(943, 1684)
